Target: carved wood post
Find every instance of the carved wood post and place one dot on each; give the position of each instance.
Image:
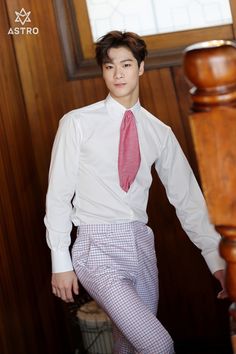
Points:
(211, 68)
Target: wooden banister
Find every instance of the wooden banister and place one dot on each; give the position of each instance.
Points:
(211, 69)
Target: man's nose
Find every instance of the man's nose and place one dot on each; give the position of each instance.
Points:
(118, 73)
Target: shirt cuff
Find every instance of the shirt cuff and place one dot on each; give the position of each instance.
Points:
(214, 261)
(61, 261)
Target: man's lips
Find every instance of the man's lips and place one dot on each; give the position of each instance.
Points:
(120, 84)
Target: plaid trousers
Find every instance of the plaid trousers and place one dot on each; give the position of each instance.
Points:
(116, 264)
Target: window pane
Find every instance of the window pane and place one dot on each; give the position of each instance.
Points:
(148, 17)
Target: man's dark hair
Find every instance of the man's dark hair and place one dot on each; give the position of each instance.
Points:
(116, 39)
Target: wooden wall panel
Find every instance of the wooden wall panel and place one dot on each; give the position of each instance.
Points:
(30, 322)
(34, 95)
(48, 94)
(158, 95)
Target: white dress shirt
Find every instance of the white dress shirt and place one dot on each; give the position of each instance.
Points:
(84, 183)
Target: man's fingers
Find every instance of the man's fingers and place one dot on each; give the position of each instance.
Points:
(222, 294)
(63, 284)
(69, 296)
(54, 290)
(64, 293)
(75, 286)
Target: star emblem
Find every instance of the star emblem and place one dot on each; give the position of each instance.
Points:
(22, 16)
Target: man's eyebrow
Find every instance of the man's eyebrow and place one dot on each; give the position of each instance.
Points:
(110, 61)
(122, 61)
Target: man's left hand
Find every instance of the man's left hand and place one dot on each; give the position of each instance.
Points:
(220, 275)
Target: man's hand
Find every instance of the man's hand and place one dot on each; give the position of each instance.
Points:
(64, 285)
(220, 275)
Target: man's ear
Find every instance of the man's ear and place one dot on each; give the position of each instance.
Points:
(141, 68)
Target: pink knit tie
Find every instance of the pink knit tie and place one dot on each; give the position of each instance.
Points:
(129, 153)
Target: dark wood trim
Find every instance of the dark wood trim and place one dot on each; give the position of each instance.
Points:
(69, 37)
(76, 41)
(233, 12)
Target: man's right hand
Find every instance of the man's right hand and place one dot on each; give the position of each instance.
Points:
(64, 285)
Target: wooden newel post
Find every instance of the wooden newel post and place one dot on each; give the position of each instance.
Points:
(211, 69)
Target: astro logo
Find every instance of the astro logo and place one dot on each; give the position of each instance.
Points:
(23, 17)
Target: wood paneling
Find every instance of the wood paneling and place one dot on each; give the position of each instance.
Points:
(34, 95)
(28, 314)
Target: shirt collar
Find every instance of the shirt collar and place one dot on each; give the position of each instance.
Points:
(116, 110)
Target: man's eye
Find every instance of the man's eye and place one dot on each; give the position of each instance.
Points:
(127, 65)
(108, 67)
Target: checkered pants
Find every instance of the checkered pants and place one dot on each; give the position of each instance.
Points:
(116, 264)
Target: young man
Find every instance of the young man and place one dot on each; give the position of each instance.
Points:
(97, 185)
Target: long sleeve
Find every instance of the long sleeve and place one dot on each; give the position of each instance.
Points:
(61, 189)
(184, 193)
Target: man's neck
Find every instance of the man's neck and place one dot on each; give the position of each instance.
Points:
(126, 102)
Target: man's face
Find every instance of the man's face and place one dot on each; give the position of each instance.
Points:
(121, 74)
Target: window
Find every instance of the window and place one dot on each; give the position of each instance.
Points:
(160, 16)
